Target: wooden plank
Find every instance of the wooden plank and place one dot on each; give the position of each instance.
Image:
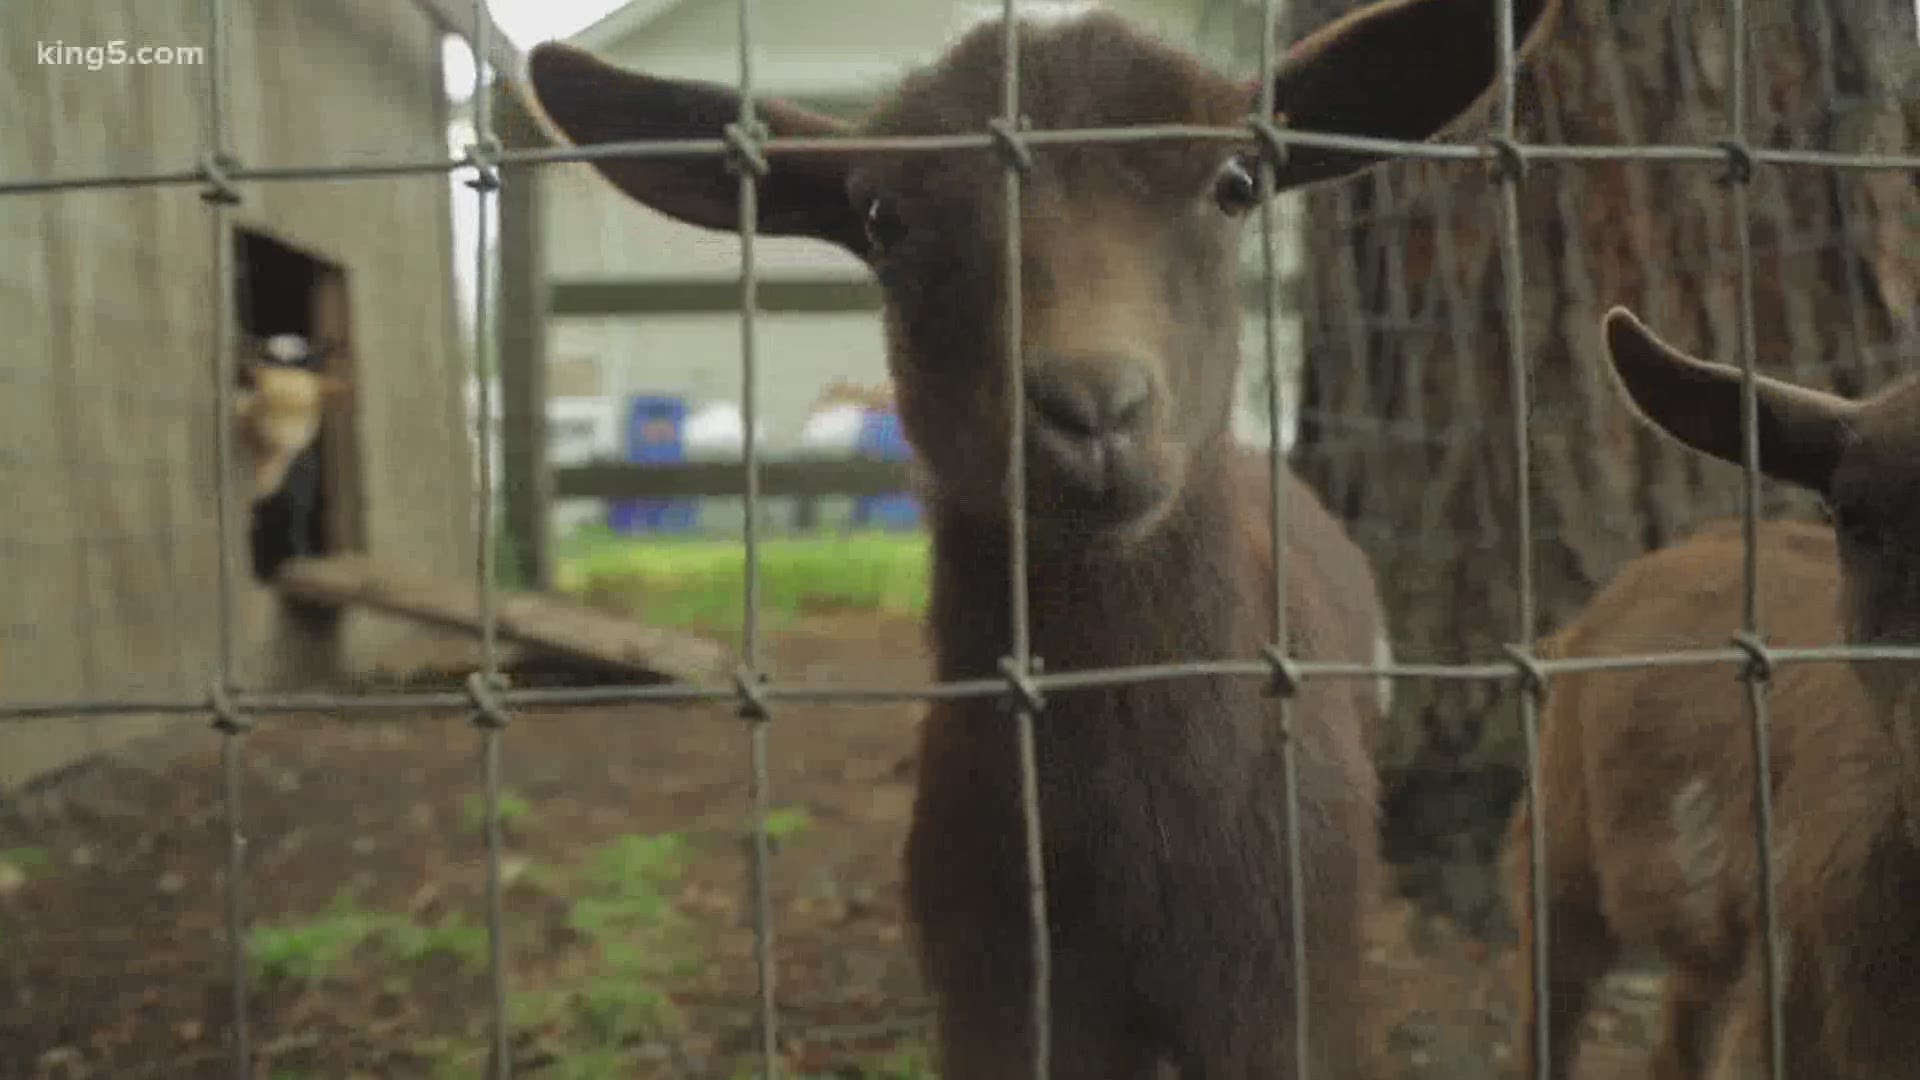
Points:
(623, 480)
(538, 620)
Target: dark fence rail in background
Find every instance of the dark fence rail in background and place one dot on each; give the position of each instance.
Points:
(805, 481)
(853, 477)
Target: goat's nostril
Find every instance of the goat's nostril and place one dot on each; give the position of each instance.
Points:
(1128, 394)
(1089, 400)
(1065, 404)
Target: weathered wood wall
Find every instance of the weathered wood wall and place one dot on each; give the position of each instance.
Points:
(107, 529)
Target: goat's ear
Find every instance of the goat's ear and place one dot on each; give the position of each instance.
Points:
(1802, 431)
(333, 386)
(585, 101)
(1397, 69)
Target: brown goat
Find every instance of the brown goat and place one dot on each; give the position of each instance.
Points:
(1161, 802)
(1647, 775)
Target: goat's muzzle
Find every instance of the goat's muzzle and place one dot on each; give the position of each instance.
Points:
(1090, 423)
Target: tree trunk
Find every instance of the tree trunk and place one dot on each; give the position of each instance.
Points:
(1406, 421)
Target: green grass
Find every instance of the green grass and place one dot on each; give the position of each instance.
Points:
(785, 822)
(311, 950)
(514, 810)
(27, 862)
(623, 911)
(701, 583)
(20, 865)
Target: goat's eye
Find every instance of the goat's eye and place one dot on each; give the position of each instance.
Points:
(1236, 189)
(885, 228)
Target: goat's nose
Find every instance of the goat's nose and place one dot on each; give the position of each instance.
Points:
(1089, 397)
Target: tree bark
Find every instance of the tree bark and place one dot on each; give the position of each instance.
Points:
(1407, 426)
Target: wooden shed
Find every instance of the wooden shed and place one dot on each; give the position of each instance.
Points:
(108, 531)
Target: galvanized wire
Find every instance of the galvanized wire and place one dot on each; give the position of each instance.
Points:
(219, 197)
(1646, 154)
(1757, 680)
(1280, 650)
(1009, 138)
(744, 143)
(1509, 168)
(835, 692)
(489, 716)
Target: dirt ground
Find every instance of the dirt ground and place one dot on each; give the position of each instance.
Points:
(113, 961)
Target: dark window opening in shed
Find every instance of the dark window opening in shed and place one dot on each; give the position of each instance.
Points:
(284, 290)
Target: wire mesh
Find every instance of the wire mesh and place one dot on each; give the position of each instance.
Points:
(1022, 685)
(1019, 664)
(743, 142)
(1739, 175)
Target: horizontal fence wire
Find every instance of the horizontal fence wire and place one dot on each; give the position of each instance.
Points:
(831, 692)
(1548, 153)
(221, 179)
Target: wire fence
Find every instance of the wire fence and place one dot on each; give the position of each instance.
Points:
(1021, 682)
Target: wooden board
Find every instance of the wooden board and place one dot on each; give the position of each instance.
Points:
(537, 620)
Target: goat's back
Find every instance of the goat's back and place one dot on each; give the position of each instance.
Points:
(1647, 772)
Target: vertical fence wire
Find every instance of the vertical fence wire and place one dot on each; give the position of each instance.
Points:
(1277, 477)
(747, 163)
(219, 198)
(1739, 177)
(489, 715)
(1020, 663)
(1509, 168)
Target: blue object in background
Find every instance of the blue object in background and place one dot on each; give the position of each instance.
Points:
(656, 435)
(880, 437)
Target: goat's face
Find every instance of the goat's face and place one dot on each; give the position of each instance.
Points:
(1127, 297)
(1862, 457)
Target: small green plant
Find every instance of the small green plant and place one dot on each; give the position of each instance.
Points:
(25, 863)
(414, 945)
(638, 868)
(514, 810)
(616, 1009)
(787, 822)
(638, 939)
(310, 952)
